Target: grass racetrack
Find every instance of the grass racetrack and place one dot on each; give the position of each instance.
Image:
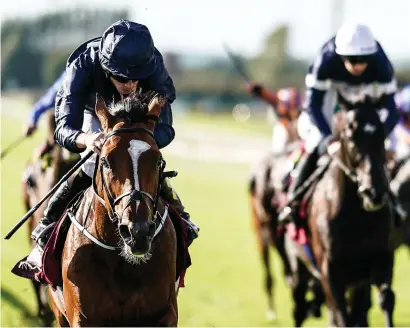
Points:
(224, 285)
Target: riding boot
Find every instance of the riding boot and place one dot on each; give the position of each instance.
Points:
(55, 209)
(170, 195)
(304, 169)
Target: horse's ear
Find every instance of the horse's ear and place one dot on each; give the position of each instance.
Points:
(106, 119)
(155, 105)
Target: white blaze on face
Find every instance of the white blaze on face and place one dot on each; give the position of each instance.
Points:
(137, 147)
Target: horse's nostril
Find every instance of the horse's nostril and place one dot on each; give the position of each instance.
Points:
(124, 231)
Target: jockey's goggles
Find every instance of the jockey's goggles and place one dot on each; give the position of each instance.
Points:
(122, 79)
(357, 59)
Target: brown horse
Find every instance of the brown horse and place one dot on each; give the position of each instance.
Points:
(350, 223)
(266, 195)
(38, 179)
(120, 269)
(264, 220)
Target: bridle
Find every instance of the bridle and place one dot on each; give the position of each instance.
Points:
(133, 194)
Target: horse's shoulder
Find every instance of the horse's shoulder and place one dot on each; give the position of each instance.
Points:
(328, 192)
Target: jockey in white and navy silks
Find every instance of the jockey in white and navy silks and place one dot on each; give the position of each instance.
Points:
(351, 69)
(113, 66)
(401, 134)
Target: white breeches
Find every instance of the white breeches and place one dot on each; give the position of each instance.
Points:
(279, 138)
(308, 132)
(91, 124)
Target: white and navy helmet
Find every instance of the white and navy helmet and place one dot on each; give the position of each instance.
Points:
(355, 39)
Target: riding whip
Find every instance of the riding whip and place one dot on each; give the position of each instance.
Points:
(237, 63)
(13, 145)
(58, 184)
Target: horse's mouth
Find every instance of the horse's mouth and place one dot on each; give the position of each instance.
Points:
(138, 247)
(371, 205)
(136, 254)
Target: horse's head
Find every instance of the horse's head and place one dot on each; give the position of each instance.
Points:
(363, 143)
(129, 171)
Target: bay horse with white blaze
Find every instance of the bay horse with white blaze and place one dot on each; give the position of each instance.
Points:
(120, 269)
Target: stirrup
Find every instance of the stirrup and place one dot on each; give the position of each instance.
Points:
(42, 234)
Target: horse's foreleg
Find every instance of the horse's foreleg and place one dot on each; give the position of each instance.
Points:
(337, 293)
(280, 246)
(170, 317)
(301, 308)
(384, 275)
(318, 300)
(334, 290)
(270, 315)
(263, 236)
(360, 303)
(387, 302)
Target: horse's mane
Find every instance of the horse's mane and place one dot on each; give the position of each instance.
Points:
(132, 108)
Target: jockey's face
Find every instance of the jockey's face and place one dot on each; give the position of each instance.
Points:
(355, 65)
(124, 87)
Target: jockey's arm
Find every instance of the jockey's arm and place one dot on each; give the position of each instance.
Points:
(70, 103)
(263, 93)
(318, 83)
(388, 88)
(46, 102)
(162, 83)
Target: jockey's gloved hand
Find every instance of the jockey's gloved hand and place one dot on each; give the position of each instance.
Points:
(255, 89)
(94, 142)
(30, 129)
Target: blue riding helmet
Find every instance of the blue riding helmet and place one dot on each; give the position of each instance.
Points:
(127, 51)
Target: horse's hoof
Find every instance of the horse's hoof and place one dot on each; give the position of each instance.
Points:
(270, 315)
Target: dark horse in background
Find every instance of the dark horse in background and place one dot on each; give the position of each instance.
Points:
(119, 258)
(39, 178)
(350, 225)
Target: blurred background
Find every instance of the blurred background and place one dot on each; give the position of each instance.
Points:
(221, 130)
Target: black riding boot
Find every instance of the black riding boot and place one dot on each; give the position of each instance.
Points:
(55, 208)
(304, 169)
(170, 195)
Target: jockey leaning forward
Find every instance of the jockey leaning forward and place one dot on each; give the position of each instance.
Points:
(114, 66)
(351, 69)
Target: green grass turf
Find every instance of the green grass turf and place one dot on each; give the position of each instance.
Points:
(224, 286)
